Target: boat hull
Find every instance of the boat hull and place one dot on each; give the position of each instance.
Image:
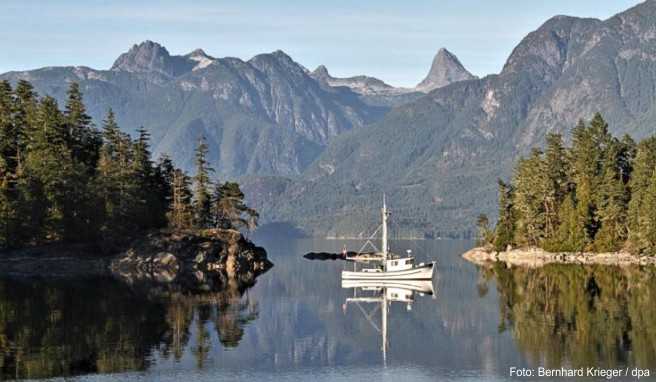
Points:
(423, 272)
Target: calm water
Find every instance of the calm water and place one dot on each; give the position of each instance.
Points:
(294, 324)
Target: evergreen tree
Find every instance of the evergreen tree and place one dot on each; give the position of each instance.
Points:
(143, 179)
(115, 183)
(84, 141)
(647, 220)
(48, 170)
(229, 209)
(181, 213)
(556, 169)
(25, 115)
(531, 194)
(484, 233)
(588, 150)
(639, 184)
(612, 202)
(505, 228)
(164, 172)
(202, 201)
(570, 235)
(8, 149)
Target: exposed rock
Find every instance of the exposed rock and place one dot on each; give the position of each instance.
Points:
(445, 70)
(536, 257)
(200, 259)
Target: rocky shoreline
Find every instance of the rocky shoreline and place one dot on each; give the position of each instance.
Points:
(189, 257)
(536, 257)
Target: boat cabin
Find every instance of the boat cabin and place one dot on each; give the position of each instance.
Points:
(399, 264)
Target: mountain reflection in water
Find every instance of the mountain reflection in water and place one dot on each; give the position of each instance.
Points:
(291, 325)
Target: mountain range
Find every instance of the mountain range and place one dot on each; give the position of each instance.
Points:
(265, 116)
(317, 152)
(438, 157)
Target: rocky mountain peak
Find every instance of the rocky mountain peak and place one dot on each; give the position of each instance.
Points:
(201, 58)
(145, 56)
(198, 53)
(150, 56)
(445, 69)
(321, 73)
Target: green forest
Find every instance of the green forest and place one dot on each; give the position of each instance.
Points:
(64, 180)
(597, 195)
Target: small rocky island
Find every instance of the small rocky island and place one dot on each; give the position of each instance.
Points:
(591, 203)
(85, 202)
(184, 256)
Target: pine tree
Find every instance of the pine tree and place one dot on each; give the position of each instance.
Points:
(25, 115)
(484, 233)
(612, 201)
(202, 202)
(143, 179)
(164, 172)
(530, 194)
(505, 228)
(639, 184)
(8, 133)
(84, 141)
(115, 184)
(49, 168)
(587, 153)
(570, 235)
(229, 209)
(181, 213)
(8, 149)
(647, 220)
(556, 170)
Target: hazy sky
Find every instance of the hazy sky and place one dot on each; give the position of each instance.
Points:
(392, 40)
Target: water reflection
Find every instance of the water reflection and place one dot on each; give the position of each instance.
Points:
(102, 325)
(579, 315)
(381, 294)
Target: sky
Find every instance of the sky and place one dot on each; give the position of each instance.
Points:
(392, 40)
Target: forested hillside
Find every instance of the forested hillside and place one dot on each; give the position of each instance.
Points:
(61, 179)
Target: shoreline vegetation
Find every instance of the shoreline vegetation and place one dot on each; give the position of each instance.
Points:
(591, 203)
(66, 185)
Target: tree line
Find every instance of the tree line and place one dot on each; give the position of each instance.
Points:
(62, 179)
(598, 195)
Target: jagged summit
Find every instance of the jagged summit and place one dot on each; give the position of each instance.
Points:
(202, 59)
(321, 72)
(446, 69)
(198, 53)
(150, 56)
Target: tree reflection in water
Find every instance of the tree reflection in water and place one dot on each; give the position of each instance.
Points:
(563, 315)
(71, 327)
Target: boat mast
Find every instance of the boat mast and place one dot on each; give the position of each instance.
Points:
(384, 239)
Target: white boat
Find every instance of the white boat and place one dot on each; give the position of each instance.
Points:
(392, 266)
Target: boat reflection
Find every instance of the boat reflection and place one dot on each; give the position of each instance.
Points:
(382, 294)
